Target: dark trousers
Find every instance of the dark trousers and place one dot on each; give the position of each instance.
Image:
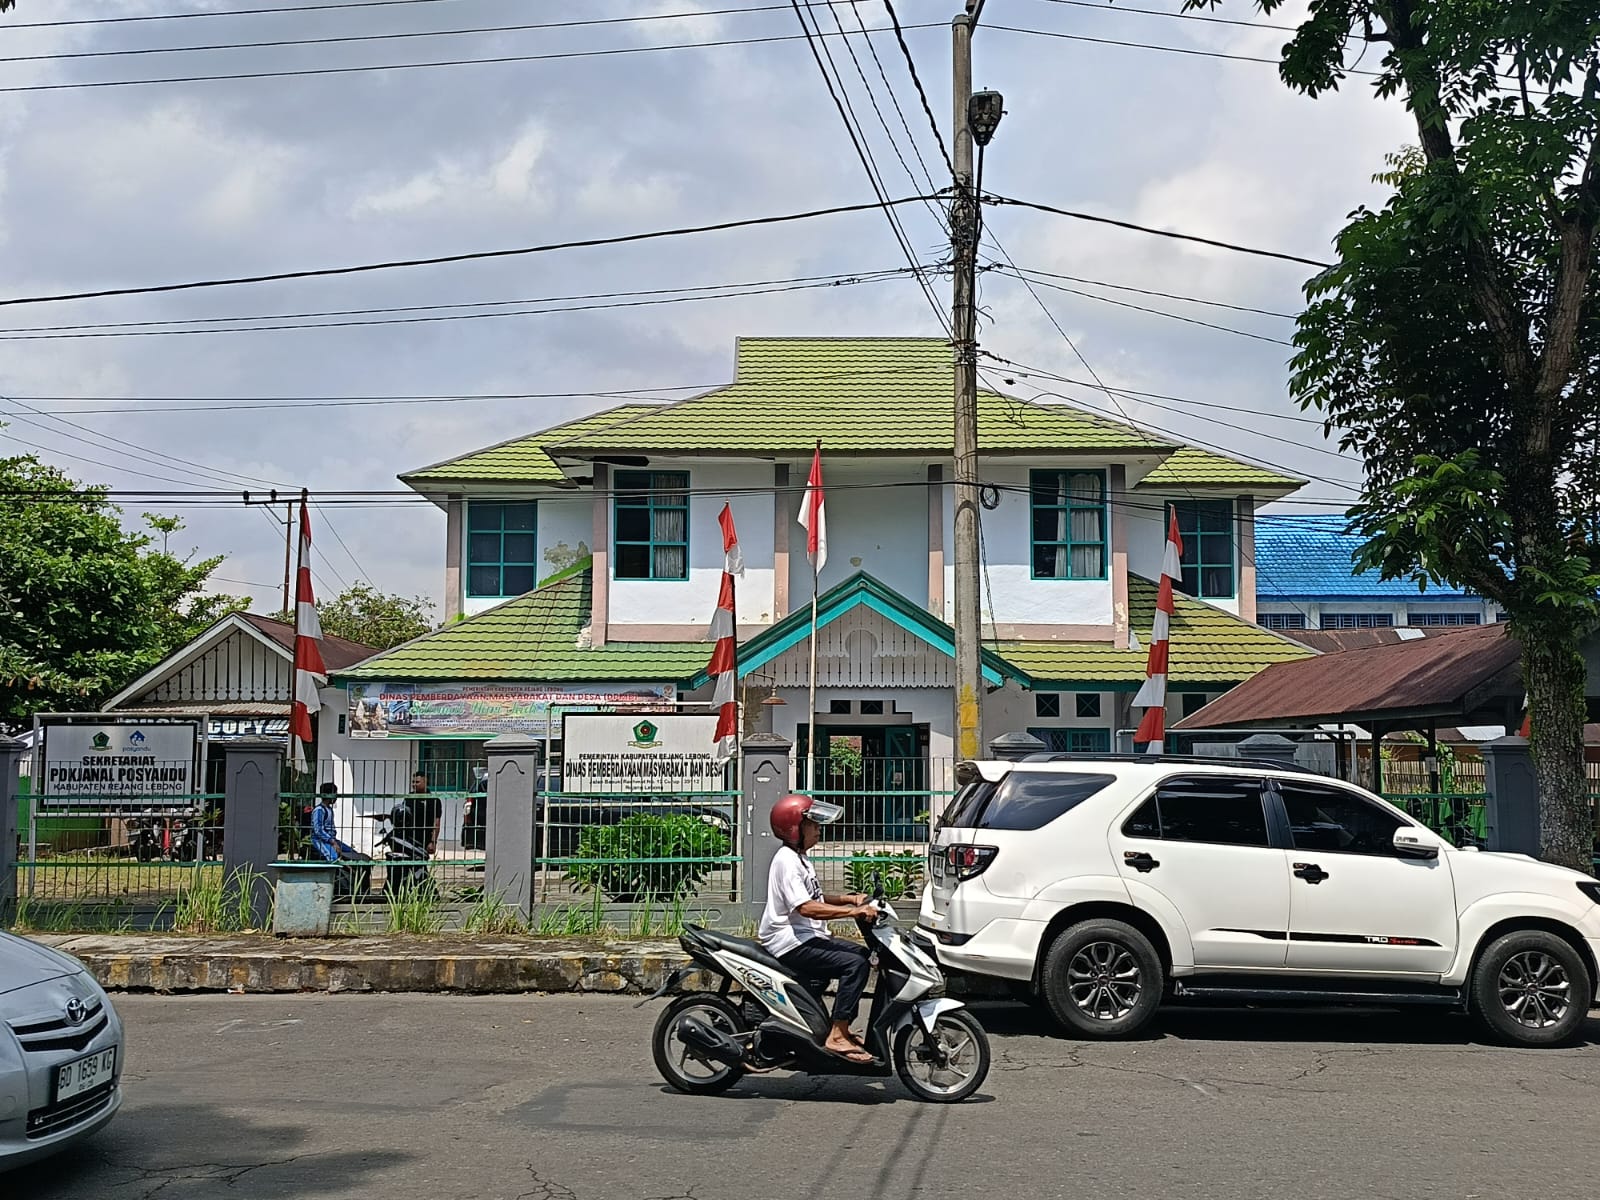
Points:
(817, 960)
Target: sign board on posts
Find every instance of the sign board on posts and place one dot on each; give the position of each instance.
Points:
(381, 710)
(118, 764)
(640, 752)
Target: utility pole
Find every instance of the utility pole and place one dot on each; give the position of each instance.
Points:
(288, 544)
(964, 226)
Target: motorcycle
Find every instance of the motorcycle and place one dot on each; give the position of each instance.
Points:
(705, 1042)
(143, 838)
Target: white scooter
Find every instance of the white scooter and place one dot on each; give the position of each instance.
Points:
(705, 1042)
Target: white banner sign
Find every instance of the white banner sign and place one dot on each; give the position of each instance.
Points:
(638, 752)
(118, 765)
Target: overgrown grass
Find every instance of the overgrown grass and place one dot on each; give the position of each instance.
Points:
(413, 910)
(36, 915)
(213, 904)
(491, 915)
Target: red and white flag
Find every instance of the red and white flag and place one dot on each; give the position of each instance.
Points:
(1152, 696)
(724, 668)
(309, 671)
(812, 516)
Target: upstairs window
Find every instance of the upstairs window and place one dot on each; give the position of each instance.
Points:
(1443, 618)
(1290, 620)
(652, 517)
(1069, 524)
(1207, 561)
(1362, 620)
(500, 547)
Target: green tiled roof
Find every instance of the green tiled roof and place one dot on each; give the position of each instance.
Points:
(534, 637)
(859, 396)
(1195, 467)
(522, 459)
(1208, 645)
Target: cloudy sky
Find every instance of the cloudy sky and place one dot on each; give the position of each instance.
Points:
(120, 186)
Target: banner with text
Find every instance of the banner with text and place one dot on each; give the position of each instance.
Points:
(614, 752)
(118, 765)
(485, 709)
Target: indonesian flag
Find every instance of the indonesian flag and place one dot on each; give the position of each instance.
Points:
(724, 668)
(1152, 696)
(812, 516)
(309, 671)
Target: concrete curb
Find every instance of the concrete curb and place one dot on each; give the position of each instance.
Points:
(169, 964)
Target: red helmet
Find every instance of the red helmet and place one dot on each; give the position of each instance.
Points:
(788, 812)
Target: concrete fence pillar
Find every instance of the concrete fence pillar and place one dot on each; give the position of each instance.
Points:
(1511, 813)
(510, 838)
(11, 752)
(1269, 747)
(1015, 746)
(252, 776)
(764, 780)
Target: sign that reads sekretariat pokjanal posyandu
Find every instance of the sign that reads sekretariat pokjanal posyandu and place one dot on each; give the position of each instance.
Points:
(634, 752)
(381, 710)
(115, 765)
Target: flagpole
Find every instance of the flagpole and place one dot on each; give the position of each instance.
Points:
(301, 761)
(811, 741)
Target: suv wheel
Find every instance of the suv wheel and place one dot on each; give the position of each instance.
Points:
(1531, 988)
(1102, 979)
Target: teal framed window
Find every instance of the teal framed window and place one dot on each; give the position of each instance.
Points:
(1068, 524)
(1207, 560)
(501, 546)
(1075, 741)
(652, 525)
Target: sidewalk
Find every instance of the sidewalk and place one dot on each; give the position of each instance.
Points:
(262, 963)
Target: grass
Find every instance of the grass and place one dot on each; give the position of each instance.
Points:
(491, 915)
(413, 910)
(39, 915)
(212, 904)
(69, 879)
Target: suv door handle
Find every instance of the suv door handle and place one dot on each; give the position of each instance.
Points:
(1310, 872)
(1139, 861)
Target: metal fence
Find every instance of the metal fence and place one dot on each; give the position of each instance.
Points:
(889, 805)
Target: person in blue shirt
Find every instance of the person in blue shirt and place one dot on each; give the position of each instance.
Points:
(325, 841)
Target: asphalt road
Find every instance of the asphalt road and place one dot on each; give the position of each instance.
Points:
(555, 1098)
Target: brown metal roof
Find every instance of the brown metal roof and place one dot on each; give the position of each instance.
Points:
(1458, 675)
(1329, 641)
(337, 652)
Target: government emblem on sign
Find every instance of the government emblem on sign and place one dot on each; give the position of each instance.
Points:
(101, 741)
(645, 735)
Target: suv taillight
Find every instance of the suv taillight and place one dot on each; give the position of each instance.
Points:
(968, 862)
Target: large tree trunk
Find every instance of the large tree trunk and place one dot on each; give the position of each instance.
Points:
(1556, 678)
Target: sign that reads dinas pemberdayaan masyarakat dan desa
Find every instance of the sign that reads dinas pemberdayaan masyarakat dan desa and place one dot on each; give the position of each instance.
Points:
(116, 765)
(636, 752)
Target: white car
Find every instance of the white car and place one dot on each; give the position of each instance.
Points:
(1105, 885)
(60, 1053)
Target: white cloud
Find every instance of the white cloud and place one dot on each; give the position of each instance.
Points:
(505, 178)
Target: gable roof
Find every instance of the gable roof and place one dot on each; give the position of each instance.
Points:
(1208, 645)
(537, 636)
(1306, 556)
(1191, 466)
(859, 396)
(521, 459)
(863, 591)
(337, 652)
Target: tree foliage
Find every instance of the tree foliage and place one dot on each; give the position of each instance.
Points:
(85, 606)
(364, 614)
(1457, 339)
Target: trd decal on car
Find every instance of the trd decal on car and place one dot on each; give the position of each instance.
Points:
(1364, 939)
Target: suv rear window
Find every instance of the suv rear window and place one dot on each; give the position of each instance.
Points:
(1032, 799)
(964, 807)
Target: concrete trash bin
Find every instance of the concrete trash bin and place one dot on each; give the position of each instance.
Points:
(303, 898)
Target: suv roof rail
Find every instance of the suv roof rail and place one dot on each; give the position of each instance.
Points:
(1197, 759)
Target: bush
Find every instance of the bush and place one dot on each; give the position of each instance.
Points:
(647, 857)
(901, 874)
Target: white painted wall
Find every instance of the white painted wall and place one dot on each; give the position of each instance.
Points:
(1013, 710)
(912, 706)
(691, 601)
(1015, 597)
(882, 531)
(362, 765)
(564, 529)
(1147, 542)
(1400, 610)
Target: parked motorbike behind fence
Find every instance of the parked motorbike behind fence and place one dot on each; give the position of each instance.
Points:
(174, 835)
(705, 1042)
(397, 853)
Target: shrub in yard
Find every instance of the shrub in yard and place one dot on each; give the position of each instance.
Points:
(647, 856)
(901, 874)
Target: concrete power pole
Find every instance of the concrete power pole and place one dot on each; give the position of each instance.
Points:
(964, 251)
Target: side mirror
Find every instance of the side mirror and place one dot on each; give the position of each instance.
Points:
(1412, 842)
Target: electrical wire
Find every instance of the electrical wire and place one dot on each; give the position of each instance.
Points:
(916, 80)
(1122, 287)
(223, 12)
(916, 148)
(470, 256)
(1115, 9)
(355, 562)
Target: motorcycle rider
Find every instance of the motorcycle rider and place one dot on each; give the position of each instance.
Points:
(793, 928)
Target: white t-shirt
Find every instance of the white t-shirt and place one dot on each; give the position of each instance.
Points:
(791, 883)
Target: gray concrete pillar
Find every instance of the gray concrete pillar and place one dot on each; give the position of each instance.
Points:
(510, 840)
(1015, 746)
(11, 752)
(1511, 816)
(764, 780)
(1269, 747)
(252, 776)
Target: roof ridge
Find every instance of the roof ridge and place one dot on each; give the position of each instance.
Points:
(534, 433)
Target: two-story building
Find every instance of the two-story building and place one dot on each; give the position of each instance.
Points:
(582, 562)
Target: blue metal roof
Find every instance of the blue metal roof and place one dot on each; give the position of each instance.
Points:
(1308, 557)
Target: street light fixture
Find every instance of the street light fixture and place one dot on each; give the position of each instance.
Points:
(984, 111)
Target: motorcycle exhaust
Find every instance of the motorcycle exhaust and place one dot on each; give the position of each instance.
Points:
(712, 1043)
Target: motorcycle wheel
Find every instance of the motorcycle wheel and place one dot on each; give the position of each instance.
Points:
(964, 1046)
(144, 849)
(678, 1065)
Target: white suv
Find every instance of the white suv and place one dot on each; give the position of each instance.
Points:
(1103, 885)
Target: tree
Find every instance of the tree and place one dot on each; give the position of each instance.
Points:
(85, 606)
(1457, 338)
(373, 618)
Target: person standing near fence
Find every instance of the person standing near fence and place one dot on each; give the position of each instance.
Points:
(416, 835)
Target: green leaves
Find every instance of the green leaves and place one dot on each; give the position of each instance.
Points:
(377, 619)
(647, 856)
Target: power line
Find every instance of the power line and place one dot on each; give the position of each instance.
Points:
(472, 256)
(303, 72)
(328, 521)
(1122, 287)
(1181, 16)
(872, 47)
(1166, 233)
(911, 68)
(228, 12)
